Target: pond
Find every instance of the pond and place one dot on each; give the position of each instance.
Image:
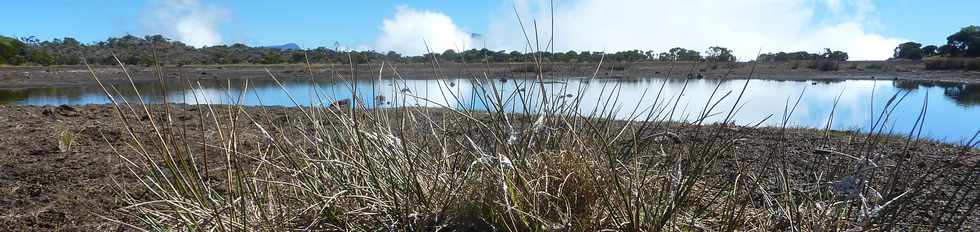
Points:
(952, 109)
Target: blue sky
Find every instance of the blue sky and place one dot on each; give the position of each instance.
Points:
(864, 26)
(309, 23)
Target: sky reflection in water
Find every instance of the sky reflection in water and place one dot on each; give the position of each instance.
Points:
(953, 109)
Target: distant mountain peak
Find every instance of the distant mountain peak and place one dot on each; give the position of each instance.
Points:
(286, 47)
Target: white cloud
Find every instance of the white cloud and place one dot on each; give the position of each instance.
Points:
(744, 26)
(834, 5)
(410, 30)
(185, 20)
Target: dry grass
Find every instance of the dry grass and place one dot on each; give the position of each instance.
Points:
(949, 63)
(546, 167)
(532, 68)
(824, 65)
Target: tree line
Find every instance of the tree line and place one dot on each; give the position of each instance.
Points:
(827, 55)
(148, 50)
(964, 43)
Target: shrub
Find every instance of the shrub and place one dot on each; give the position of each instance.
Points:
(949, 63)
(824, 65)
(11, 51)
(794, 65)
(875, 66)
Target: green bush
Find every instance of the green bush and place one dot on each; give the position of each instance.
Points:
(11, 51)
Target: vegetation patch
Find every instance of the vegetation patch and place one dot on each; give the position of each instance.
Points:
(947, 63)
(546, 167)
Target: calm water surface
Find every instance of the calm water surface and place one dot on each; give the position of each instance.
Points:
(953, 110)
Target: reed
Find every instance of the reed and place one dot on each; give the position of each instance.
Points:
(528, 161)
(531, 159)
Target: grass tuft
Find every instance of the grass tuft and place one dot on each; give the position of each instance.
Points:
(66, 139)
(530, 160)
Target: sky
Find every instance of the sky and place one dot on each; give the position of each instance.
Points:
(867, 29)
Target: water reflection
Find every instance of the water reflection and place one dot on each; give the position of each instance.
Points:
(953, 108)
(964, 94)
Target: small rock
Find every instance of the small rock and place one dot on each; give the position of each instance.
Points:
(67, 111)
(66, 108)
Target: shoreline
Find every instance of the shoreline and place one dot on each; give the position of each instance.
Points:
(43, 186)
(22, 77)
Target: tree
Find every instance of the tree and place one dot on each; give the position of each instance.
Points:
(680, 54)
(908, 50)
(392, 55)
(449, 55)
(689, 55)
(271, 58)
(515, 56)
(719, 54)
(966, 41)
(30, 40)
(948, 50)
(802, 55)
(570, 56)
(832, 55)
(930, 50)
(651, 55)
(836, 55)
(297, 57)
(585, 56)
(40, 57)
(11, 51)
(629, 56)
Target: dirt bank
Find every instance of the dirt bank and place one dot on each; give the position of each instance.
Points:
(59, 76)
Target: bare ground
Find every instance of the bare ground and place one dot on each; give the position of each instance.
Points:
(45, 188)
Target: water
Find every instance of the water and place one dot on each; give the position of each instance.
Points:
(953, 112)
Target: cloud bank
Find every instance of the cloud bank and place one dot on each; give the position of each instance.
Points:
(186, 20)
(409, 30)
(746, 26)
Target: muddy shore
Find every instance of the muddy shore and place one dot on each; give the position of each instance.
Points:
(46, 186)
(62, 76)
